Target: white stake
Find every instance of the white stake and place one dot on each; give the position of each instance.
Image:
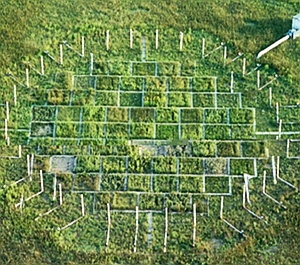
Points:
(136, 227)
(42, 181)
(181, 41)
(21, 202)
(287, 147)
(258, 79)
(244, 66)
(61, 54)
(7, 110)
(54, 187)
(27, 77)
(42, 65)
(166, 229)
(82, 46)
(5, 124)
(194, 224)
(278, 161)
(107, 40)
(8, 141)
(225, 54)
(277, 112)
(270, 96)
(31, 165)
(231, 82)
(279, 129)
(20, 151)
(15, 95)
(60, 194)
(221, 207)
(28, 166)
(130, 38)
(108, 226)
(92, 64)
(82, 204)
(274, 170)
(156, 39)
(203, 47)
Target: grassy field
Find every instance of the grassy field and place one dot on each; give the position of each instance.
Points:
(89, 118)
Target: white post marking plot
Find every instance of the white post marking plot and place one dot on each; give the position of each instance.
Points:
(82, 46)
(38, 193)
(130, 38)
(27, 77)
(53, 209)
(244, 66)
(282, 180)
(166, 230)
(42, 65)
(15, 95)
(203, 47)
(108, 226)
(264, 192)
(247, 177)
(229, 224)
(181, 41)
(136, 227)
(7, 110)
(156, 39)
(274, 170)
(248, 210)
(92, 64)
(76, 220)
(194, 224)
(107, 40)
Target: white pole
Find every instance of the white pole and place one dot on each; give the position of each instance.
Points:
(244, 195)
(131, 38)
(21, 203)
(42, 181)
(28, 165)
(258, 78)
(231, 82)
(6, 134)
(156, 39)
(274, 170)
(92, 64)
(279, 128)
(244, 66)
(270, 96)
(278, 161)
(203, 47)
(136, 227)
(277, 112)
(166, 229)
(181, 40)
(108, 226)
(27, 77)
(20, 151)
(8, 141)
(31, 166)
(221, 208)
(82, 46)
(7, 110)
(82, 204)
(287, 147)
(61, 53)
(54, 187)
(225, 54)
(42, 65)
(60, 194)
(107, 40)
(194, 224)
(15, 95)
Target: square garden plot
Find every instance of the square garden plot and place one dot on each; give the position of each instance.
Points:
(84, 82)
(142, 131)
(203, 84)
(88, 164)
(93, 113)
(151, 202)
(191, 131)
(140, 164)
(204, 149)
(180, 84)
(107, 83)
(254, 149)
(168, 68)
(155, 84)
(86, 182)
(191, 166)
(142, 115)
(43, 113)
(164, 183)
(164, 165)
(83, 97)
(67, 130)
(143, 68)
(106, 98)
(117, 131)
(217, 132)
(114, 164)
(92, 130)
(241, 166)
(242, 132)
(131, 99)
(217, 184)
(228, 100)
(139, 183)
(176, 99)
(216, 116)
(119, 68)
(193, 115)
(203, 100)
(117, 114)
(58, 97)
(191, 184)
(166, 132)
(112, 182)
(132, 83)
(166, 115)
(242, 116)
(228, 149)
(155, 99)
(216, 166)
(68, 113)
